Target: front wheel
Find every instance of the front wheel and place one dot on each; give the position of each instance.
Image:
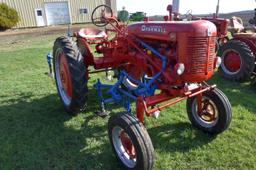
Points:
(215, 115)
(130, 142)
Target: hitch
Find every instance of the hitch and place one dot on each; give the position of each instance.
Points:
(49, 59)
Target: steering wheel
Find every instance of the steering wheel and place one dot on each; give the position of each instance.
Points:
(99, 15)
(189, 15)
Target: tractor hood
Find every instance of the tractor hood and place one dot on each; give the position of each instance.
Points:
(162, 30)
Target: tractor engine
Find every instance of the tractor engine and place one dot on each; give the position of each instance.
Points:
(188, 46)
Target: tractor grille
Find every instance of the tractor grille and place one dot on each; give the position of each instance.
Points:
(200, 54)
(212, 54)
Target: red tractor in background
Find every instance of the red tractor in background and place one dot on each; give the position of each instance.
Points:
(238, 54)
(157, 64)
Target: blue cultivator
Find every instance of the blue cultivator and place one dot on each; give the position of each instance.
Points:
(128, 88)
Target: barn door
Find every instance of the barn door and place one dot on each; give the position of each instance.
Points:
(39, 17)
(57, 13)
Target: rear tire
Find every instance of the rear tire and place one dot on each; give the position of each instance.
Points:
(238, 61)
(130, 142)
(70, 75)
(216, 112)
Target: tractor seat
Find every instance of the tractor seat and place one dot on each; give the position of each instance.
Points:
(237, 24)
(92, 34)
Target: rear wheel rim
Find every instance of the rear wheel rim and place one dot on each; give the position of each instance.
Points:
(209, 116)
(63, 78)
(232, 62)
(124, 147)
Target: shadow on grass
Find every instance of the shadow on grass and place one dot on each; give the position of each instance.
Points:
(179, 137)
(39, 134)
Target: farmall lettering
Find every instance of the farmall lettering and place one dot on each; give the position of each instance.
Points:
(154, 28)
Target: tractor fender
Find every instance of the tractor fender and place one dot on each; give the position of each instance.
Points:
(249, 42)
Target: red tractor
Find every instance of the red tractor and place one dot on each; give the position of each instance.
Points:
(238, 54)
(157, 64)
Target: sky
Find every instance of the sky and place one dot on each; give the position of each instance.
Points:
(158, 7)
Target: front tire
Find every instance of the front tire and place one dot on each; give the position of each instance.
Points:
(70, 75)
(238, 61)
(216, 112)
(130, 142)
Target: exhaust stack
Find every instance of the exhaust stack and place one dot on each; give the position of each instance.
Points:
(176, 6)
(217, 9)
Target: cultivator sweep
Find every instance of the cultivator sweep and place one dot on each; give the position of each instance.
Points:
(156, 64)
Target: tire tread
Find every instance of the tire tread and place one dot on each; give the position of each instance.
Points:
(77, 71)
(248, 60)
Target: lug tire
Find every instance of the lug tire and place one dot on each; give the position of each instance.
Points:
(222, 106)
(247, 61)
(138, 135)
(77, 74)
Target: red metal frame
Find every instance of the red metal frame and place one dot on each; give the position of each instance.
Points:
(144, 103)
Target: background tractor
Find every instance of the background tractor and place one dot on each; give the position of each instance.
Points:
(156, 64)
(238, 54)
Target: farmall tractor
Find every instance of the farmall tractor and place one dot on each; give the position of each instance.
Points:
(157, 64)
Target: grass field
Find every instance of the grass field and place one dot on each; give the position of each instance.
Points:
(36, 132)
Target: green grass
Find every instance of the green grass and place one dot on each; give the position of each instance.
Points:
(36, 132)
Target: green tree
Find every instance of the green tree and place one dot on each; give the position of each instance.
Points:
(8, 17)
